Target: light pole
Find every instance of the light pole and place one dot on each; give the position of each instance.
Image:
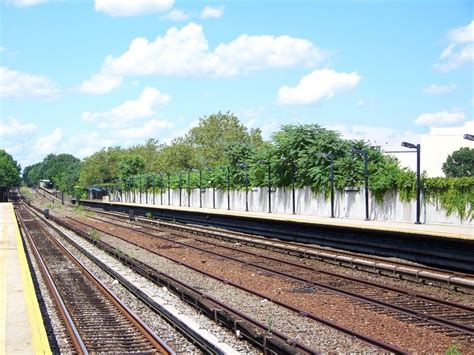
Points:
(293, 194)
(269, 184)
(331, 178)
(200, 188)
(180, 188)
(418, 177)
(366, 176)
(154, 187)
(169, 192)
(469, 137)
(245, 167)
(228, 185)
(161, 189)
(189, 188)
(146, 190)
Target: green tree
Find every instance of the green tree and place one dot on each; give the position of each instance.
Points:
(101, 167)
(131, 165)
(53, 168)
(9, 171)
(460, 163)
(214, 134)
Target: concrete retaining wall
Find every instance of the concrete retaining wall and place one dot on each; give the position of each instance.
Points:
(347, 204)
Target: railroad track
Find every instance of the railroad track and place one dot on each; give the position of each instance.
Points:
(274, 342)
(97, 321)
(446, 317)
(373, 264)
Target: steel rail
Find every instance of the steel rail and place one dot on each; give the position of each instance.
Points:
(157, 276)
(76, 339)
(154, 340)
(398, 269)
(414, 313)
(367, 339)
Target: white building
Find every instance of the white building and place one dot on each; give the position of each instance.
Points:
(436, 146)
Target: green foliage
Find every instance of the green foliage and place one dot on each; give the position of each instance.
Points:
(26, 192)
(131, 165)
(460, 163)
(101, 167)
(452, 350)
(94, 235)
(9, 171)
(456, 195)
(62, 169)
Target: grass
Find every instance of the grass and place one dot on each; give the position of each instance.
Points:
(452, 350)
(95, 235)
(26, 192)
(270, 322)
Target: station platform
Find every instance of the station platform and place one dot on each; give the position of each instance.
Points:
(22, 330)
(436, 230)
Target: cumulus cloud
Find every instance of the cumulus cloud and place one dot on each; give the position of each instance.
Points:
(13, 128)
(147, 130)
(100, 84)
(212, 12)
(49, 143)
(460, 50)
(318, 85)
(443, 118)
(435, 89)
(16, 84)
(185, 52)
(132, 8)
(128, 112)
(176, 15)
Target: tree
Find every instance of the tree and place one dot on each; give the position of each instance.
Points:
(214, 134)
(460, 163)
(53, 168)
(131, 165)
(9, 171)
(101, 167)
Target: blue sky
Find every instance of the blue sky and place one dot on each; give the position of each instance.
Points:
(80, 75)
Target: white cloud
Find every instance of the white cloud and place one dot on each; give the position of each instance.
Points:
(212, 12)
(147, 130)
(176, 15)
(460, 51)
(25, 3)
(435, 89)
(14, 128)
(129, 111)
(3, 49)
(132, 7)
(443, 118)
(100, 84)
(16, 84)
(320, 84)
(48, 144)
(462, 34)
(185, 52)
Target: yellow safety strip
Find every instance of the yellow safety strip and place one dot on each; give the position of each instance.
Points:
(3, 285)
(40, 341)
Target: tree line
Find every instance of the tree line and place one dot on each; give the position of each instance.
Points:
(221, 150)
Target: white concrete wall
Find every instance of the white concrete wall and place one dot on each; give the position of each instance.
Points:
(347, 204)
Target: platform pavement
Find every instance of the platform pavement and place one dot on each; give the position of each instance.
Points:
(439, 230)
(22, 329)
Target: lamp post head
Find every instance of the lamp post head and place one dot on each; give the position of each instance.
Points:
(357, 150)
(469, 137)
(409, 145)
